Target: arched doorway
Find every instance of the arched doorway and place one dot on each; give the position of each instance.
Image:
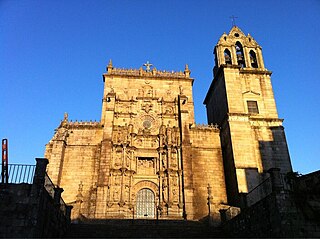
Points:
(145, 204)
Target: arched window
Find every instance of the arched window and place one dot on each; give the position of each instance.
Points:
(240, 55)
(227, 57)
(253, 59)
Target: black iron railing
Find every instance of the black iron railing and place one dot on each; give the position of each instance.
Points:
(22, 173)
(19, 173)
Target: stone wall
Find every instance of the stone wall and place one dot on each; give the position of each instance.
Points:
(283, 213)
(207, 168)
(30, 210)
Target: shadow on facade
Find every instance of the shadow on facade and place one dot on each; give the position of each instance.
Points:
(274, 153)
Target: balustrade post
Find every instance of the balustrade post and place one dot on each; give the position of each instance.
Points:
(68, 211)
(39, 176)
(57, 195)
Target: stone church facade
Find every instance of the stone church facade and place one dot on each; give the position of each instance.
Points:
(147, 158)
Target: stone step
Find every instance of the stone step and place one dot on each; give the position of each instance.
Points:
(142, 229)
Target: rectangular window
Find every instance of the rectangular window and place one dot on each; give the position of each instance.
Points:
(253, 107)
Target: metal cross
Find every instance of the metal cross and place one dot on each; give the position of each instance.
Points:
(147, 65)
(233, 20)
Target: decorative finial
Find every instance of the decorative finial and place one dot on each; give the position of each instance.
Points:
(187, 71)
(233, 20)
(65, 117)
(147, 65)
(109, 67)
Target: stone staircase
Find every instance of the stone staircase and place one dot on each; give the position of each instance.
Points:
(142, 229)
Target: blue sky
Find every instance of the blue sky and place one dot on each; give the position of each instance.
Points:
(53, 53)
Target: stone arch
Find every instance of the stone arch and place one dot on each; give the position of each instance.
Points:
(240, 55)
(227, 57)
(145, 184)
(253, 59)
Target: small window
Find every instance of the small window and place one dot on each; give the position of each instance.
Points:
(252, 107)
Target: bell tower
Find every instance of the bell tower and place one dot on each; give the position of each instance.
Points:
(241, 101)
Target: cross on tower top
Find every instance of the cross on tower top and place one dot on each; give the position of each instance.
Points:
(147, 65)
(233, 20)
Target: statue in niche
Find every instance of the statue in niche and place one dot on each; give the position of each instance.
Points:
(130, 128)
(162, 132)
(175, 181)
(115, 196)
(116, 183)
(181, 89)
(164, 161)
(125, 133)
(164, 189)
(169, 137)
(162, 129)
(174, 158)
(173, 135)
(117, 159)
(175, 195)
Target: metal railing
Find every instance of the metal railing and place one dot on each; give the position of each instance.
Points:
(20, 173)
(259, 192)
(49, 186)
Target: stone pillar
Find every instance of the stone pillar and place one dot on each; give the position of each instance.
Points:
(57, 195)
(39, 176)
(68, 211)
(276, 181)
(246, 57)
(36, 198)
(259, 58)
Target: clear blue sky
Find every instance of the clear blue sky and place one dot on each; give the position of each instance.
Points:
(53, 53)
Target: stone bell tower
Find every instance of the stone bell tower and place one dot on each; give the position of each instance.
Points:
(241, 101)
